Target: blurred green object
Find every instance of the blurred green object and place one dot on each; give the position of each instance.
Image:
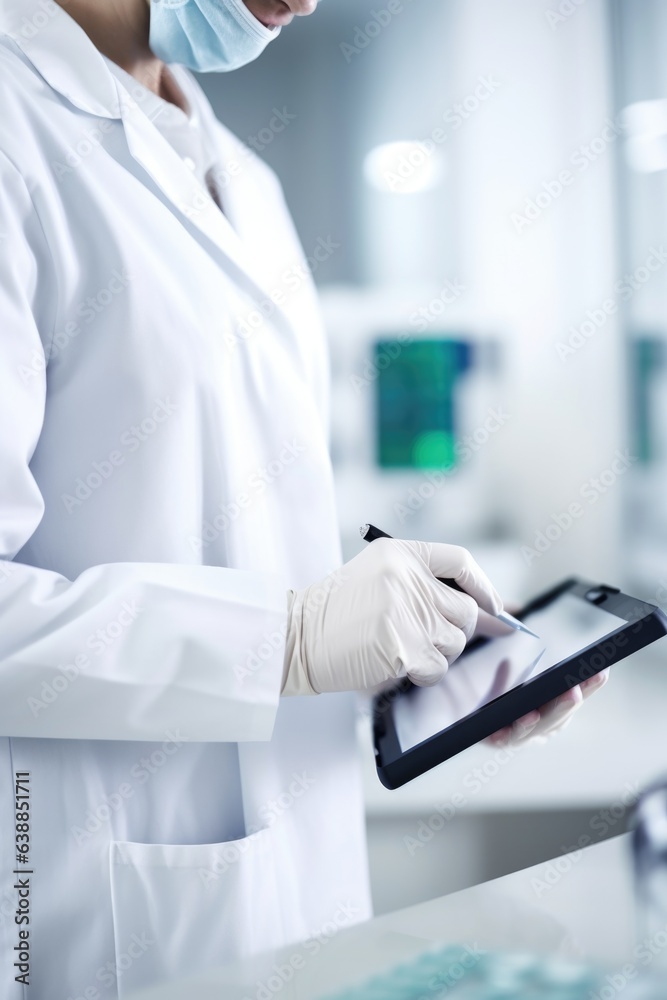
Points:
(416, 407)
(649, 355)
(467, 972)
(434, 450)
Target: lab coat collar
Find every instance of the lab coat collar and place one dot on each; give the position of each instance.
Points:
(63, 54)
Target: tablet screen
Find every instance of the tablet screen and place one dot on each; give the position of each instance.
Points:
(566, 626)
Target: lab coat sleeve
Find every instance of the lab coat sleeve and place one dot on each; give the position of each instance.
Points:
(124, 651)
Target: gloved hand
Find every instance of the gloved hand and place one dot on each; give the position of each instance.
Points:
(384, 615)
(541, 724)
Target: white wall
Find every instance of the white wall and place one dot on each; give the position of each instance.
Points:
(552, 94)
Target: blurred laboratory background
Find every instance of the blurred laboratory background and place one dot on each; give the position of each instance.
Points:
(481, 189)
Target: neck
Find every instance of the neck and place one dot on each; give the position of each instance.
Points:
(119, 30)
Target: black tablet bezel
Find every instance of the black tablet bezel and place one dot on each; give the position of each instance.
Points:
(644, 624)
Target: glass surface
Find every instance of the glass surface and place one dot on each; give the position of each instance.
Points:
(649, 844)
(567, 625)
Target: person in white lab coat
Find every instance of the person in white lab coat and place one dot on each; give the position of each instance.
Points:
(166, 513)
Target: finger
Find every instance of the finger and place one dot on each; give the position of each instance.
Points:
(518, 731)
(559, 712)
(456, 563)
(500, 683)
(449, 640)
(546, 721)
(429, 667)
(408, 563)
(527, 722)
(543, 733)
(595, 683)
(453, 606)
(563, 704)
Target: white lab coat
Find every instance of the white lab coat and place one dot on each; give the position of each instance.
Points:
(164, 480)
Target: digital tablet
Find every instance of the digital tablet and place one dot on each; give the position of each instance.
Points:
(582, 629)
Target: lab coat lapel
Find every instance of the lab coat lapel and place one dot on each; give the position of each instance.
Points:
(152, 151)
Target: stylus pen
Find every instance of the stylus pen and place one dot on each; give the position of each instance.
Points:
(369, 533)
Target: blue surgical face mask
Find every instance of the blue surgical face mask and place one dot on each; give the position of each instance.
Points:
(207, 35)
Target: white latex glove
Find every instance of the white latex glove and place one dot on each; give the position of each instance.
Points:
(384, 615)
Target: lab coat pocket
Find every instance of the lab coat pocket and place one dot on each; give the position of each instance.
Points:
(181, 909)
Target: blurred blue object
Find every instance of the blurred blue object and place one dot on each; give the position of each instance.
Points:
(469, 973)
